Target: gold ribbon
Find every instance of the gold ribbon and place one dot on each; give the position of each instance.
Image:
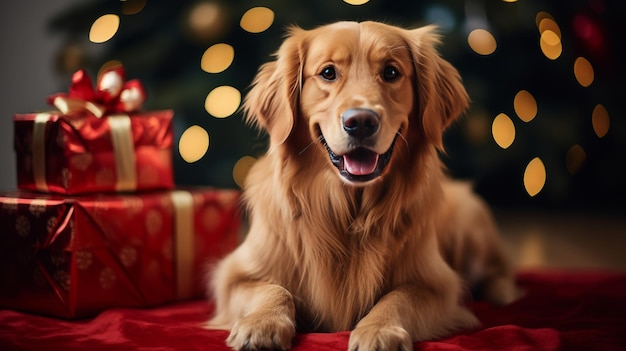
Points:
(184, 243)
(123, 150)
(124, 153)
(39, 151)
(69, 105)
(121, 138)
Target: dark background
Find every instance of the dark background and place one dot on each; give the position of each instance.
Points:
(158, 46)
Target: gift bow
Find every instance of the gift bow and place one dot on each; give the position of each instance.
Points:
(112, 94)
(114, 98)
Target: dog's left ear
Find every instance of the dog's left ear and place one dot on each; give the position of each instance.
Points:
(272, 103)
(441, 97)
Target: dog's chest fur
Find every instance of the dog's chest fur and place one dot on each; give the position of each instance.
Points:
(345, 267)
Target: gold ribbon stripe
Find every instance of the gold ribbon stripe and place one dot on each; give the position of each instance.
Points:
(184, 242)
(124, 153)
(39, 151)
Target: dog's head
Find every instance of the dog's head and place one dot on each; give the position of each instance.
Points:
(355, 90)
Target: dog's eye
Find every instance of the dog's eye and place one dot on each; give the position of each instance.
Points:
(390, 73)
(329, 73)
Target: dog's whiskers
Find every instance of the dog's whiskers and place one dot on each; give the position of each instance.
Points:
(403, 138)
(305, 148)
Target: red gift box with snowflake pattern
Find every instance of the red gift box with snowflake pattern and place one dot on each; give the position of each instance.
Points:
(99, 140)
(73, 257)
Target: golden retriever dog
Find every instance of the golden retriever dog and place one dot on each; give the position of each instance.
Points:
(353, 224)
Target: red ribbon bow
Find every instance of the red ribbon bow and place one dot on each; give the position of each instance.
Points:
(112, 94)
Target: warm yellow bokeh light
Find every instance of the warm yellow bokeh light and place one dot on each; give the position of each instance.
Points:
(549, 24)
(550, 38)
(503, 130)
(193, 144)
(550, 41)
(257, 19)
(541, 15)
(525, 106)
(109, 65)
(509, 0)
(534, 176)
(222, 101)
(356, 2)
(477, 126)
(104, 28)
(217, 58)
(241, 169)
(575, 158)
(550, 44)
(207, 21)
(583, 71)
(600, 120)
(203, 16)
(132, 7)
(482, 42)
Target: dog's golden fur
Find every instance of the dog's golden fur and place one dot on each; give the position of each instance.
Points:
(327, 252)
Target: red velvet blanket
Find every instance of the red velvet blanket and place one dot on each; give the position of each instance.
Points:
(560, 311)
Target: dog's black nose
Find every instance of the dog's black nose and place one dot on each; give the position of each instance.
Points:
(360, 122)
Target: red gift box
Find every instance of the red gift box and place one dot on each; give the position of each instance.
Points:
(77, 154)
(74, 257)
(98, 141)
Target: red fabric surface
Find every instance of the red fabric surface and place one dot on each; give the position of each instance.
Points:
(562, 310)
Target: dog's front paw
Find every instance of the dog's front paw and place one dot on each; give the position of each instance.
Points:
(262, 332)
(380, 338)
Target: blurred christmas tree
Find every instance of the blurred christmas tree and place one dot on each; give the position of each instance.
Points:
(163, 43)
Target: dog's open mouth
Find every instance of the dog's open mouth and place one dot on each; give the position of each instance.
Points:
(360, 164)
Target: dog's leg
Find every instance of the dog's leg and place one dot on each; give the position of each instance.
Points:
(260, 315)
(265, 317)
(405, 315)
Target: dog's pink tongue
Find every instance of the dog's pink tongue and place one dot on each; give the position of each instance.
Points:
(360, 162)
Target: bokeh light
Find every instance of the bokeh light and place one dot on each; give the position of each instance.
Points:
(477, 126)
(545, 22)
(193, 144)
(482, 42)
(104, 28)
(222, 101)
(503, 130)
(108, 66)
(550, 38)
(600, 120)
(207, 21)
(534, 176)
(550, 45)
(525, 106)
(71, 58)
(132, 7)
(356, 2)
(575, 158)
(241, 169)
(257, 19)
(590, 32)
(550, 35)
(583, 71)
(217, 58)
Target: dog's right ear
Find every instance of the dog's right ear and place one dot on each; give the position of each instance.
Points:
(272, 103)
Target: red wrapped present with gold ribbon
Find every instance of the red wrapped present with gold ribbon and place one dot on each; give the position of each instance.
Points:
(74, 257)
(97, 141)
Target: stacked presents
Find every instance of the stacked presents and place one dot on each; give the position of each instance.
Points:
(96, 222)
